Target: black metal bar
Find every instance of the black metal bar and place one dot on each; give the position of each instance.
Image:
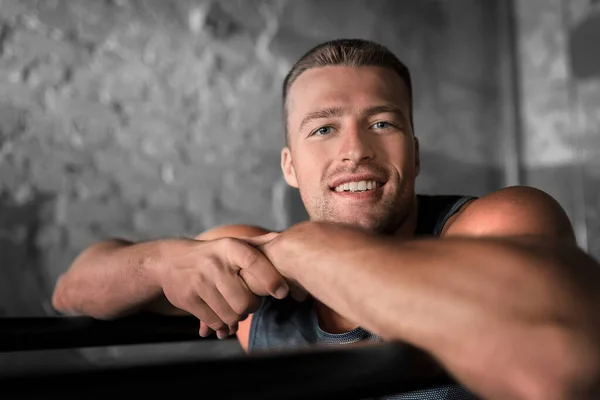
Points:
(315, 373)
(46, 333)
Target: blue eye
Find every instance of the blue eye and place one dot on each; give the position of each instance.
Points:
(381, 125)
(324, 130)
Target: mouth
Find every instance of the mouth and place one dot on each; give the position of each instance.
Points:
(357, 186)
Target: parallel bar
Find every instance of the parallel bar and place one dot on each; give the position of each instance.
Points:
(316, 373)
(46, 333)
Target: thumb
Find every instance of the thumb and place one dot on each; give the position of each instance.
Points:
(261, 240)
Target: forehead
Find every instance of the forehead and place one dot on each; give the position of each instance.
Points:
(351, 88)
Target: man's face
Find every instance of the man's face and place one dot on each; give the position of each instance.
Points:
(352, 152)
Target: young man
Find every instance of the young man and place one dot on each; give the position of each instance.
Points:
(495, 289)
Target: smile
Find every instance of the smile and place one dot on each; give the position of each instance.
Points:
(359, 186)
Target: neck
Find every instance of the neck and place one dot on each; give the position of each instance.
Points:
(408, 226)
(332, 322)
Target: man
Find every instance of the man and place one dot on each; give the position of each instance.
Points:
(494, 289)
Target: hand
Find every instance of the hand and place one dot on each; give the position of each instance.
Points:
(273, 248)
(220, 282)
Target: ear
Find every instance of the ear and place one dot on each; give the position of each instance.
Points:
(417, 157)
(287, 166)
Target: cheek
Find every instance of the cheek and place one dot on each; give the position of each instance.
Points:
(309, 164)
(401, 151)
(308, 174)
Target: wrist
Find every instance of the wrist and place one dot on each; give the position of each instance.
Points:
(161, 258)
(290, 250)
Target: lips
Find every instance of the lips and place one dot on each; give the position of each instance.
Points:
(356, 182)
(361, 186)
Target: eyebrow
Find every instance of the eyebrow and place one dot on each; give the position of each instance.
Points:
(339, 111)
(384, 108)
(321, 114)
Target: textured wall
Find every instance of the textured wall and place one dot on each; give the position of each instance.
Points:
(156, 118)
(584, 56)
(560, 90)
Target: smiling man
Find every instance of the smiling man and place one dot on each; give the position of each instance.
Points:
(351, 150)
(494, 289)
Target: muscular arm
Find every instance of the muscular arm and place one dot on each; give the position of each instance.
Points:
(112, 278)
(505, 301)
(115, 278)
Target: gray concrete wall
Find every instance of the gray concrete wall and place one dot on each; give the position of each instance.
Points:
(560, 91)
(153, 118)
(146, 119)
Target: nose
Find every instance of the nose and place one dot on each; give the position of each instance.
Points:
(356, 146)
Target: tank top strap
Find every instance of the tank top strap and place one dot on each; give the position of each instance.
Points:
(435, 211)
(453, 209)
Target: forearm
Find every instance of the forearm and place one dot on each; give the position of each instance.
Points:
(409, 290)
(115, 278)
(466, 301)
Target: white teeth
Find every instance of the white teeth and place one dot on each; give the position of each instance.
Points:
(356, 186)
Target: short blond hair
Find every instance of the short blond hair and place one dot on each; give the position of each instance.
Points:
(350, 53)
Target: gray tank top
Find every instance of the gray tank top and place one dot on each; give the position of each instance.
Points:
(285, 324)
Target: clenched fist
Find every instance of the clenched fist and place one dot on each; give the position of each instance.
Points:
(221, 281)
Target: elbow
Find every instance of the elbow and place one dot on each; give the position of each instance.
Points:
(67, 300)
(75, 291)
(56, 300)
(60, 297)
(57, 296)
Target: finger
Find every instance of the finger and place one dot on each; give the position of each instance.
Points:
(256, 264)
(253, 284)
(260, 240)
(205, 330)
(223, 333)
(240, 297)
(205, 314)
(219, 305)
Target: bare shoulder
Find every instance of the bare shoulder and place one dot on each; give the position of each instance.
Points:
(513, 211)
(232, 230)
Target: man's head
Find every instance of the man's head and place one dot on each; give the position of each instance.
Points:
(350, 144)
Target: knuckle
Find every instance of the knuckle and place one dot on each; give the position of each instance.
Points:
(241, 305)
(189, 294)
(194, 288)
(250, 257)
(215, 324)
(209, 272)
(231, 319)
